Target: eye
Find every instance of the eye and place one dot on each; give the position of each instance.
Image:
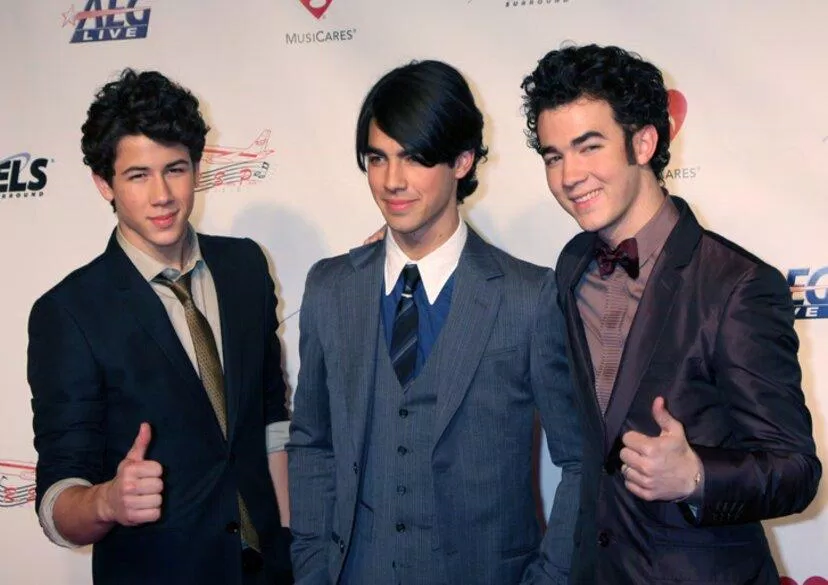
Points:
(374, 159)
(551, 160)
(592, 147)
(136, 176)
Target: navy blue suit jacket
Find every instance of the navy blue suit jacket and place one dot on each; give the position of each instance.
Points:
(104, 357)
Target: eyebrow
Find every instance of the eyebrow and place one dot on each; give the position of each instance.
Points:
(401, 153)
(138, 168)
(575, 142)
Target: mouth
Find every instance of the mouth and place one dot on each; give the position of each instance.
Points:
(586, 197)
(164, 221)
(398, 205)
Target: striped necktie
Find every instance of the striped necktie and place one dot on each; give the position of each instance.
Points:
(404, 333)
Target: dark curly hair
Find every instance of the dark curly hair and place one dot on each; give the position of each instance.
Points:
(633, 88)
(145, 103)
(428, 108)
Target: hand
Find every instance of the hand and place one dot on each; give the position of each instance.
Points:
(660, 468)
(377, 236)
(134, 496)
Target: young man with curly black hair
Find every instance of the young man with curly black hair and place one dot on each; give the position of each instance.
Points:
(681, 344)
(155, 370)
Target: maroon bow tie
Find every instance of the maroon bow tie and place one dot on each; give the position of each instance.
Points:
(625, 255)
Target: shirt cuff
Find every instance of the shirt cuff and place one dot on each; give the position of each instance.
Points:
(277, 436)
(46, 514)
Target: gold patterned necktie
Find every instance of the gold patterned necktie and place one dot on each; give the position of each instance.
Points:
(212, 376)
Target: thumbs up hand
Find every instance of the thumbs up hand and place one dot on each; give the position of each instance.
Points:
(661, 468)
(134, 496)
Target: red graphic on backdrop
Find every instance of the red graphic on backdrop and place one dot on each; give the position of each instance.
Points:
(808, 581)
(317, 7)
(17, 483)
(677, 105)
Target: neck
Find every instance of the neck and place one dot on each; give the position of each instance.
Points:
(646, 204)
(420, 243)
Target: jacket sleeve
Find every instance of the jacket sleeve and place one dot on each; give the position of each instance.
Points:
(68, 398)
(552, 386)
(774, 470)
(274, 386)
(310, 450)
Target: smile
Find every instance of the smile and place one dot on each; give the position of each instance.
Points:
(587, 197)
(163, 221)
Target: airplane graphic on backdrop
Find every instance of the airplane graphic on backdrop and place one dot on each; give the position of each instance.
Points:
(235, 166)
(70, 17)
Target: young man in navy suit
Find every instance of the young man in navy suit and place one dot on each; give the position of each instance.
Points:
(155, 370)
(424, 360)
(681, 344)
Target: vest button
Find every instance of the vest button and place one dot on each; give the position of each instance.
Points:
(400, 527)
(232, 527)
(356, 468)
(403, 413)
(603, 539)
(402, 450)
(401, 490)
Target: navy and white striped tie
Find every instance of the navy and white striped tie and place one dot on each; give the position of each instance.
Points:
(404, 334)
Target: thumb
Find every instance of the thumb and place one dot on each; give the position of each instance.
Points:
(142, 441)
(665, 420)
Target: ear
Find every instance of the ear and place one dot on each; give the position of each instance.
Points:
(463, 164)
(103, 188)
(645, 142)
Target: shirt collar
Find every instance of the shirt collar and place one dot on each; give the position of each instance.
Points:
(651, 238)
(150, 268)
(435, 268)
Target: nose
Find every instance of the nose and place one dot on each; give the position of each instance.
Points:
(160, 191)
(395, 176)
(572, 172)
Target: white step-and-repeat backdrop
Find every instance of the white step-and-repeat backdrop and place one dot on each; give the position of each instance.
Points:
(284, 79)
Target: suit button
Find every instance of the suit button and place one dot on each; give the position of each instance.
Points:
(400, 527)
(403, 413)
(232, 527)
(401, 490)
(402, 450)
(603, 538)
(356, 468)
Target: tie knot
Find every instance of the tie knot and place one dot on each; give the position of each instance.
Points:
(180, 287)
(625, 255)
(410, 278)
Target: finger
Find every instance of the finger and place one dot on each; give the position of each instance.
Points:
(148, 502)
(139, 446)
(376, 236)
(142, 516)
(637, 441)
(639, 491)
(632, 459)
(664, 419)
(148, 486)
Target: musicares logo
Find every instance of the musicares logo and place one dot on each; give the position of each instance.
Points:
(677, 105)
(317, 7)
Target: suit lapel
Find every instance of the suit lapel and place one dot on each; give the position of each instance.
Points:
(358, 311)
(222, 270)
(572, 270)
(474, 306)
(651, 318)
(139, 300)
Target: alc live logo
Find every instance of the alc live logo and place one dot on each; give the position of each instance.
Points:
(109, 20)
(22, 175)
